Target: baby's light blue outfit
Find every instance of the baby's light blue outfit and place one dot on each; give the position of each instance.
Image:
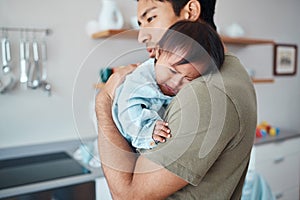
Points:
(137, 104)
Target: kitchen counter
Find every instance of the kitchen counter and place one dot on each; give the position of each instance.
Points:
(283, 135)
(68, 147)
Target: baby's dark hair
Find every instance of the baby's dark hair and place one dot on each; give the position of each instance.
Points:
(195, 42)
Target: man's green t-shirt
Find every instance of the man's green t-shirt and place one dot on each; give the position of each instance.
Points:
(212, 121)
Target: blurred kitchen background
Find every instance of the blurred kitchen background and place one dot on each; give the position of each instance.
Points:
(35, 121)
(30, 116)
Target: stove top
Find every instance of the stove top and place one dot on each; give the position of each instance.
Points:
(33, 169)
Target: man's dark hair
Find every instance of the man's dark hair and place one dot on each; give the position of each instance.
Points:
(207, 9)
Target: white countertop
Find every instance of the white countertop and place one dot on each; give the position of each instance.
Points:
(283, 135)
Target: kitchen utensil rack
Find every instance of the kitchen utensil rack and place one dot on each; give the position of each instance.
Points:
(32, 49)
(47, 31)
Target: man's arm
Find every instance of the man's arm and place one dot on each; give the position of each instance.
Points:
(129, 176)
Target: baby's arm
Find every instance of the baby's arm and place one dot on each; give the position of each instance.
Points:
(161, 131)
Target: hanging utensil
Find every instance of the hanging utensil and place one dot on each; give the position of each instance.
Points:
(35, 47)
(34, 73)
(6, 56)
(31, 75)
(3, 50)
(27, 50)
(47, 87)
(7, 83)
(23, 62)
(7, 78)
(43, 58)
(43, 48)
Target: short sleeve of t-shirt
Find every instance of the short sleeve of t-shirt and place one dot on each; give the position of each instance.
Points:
(197, 119)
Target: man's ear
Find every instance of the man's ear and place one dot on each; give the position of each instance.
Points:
(192, 10)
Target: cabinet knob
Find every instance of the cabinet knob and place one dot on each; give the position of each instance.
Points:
(279, 160)
(279, 195)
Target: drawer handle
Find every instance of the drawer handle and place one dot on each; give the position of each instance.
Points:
(279, 195)
(278, 160)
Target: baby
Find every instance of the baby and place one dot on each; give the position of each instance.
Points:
(186, 51)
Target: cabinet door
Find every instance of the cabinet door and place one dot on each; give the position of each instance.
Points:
(102, 190)
(292, 194)
(282, 173)
(274, 150)
(278, 163)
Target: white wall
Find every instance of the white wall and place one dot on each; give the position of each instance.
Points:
(278, 103)
(30, 117)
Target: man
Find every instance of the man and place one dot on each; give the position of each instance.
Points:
(212, 122)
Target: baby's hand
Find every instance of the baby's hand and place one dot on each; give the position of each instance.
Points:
(161, 131)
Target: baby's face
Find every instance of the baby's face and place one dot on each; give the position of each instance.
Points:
(171, 76)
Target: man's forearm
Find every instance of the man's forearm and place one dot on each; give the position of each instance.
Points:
(118, 160)
(127, 176)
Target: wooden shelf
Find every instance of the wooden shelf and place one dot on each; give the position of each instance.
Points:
(245, 41)
(228, 40)
(108, 33)
(263, 80)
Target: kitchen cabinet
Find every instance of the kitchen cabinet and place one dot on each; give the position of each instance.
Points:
(277, 160)
(102, 189)
(84, 191)
(241, 41)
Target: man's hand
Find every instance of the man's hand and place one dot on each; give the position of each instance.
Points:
(117, 79)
